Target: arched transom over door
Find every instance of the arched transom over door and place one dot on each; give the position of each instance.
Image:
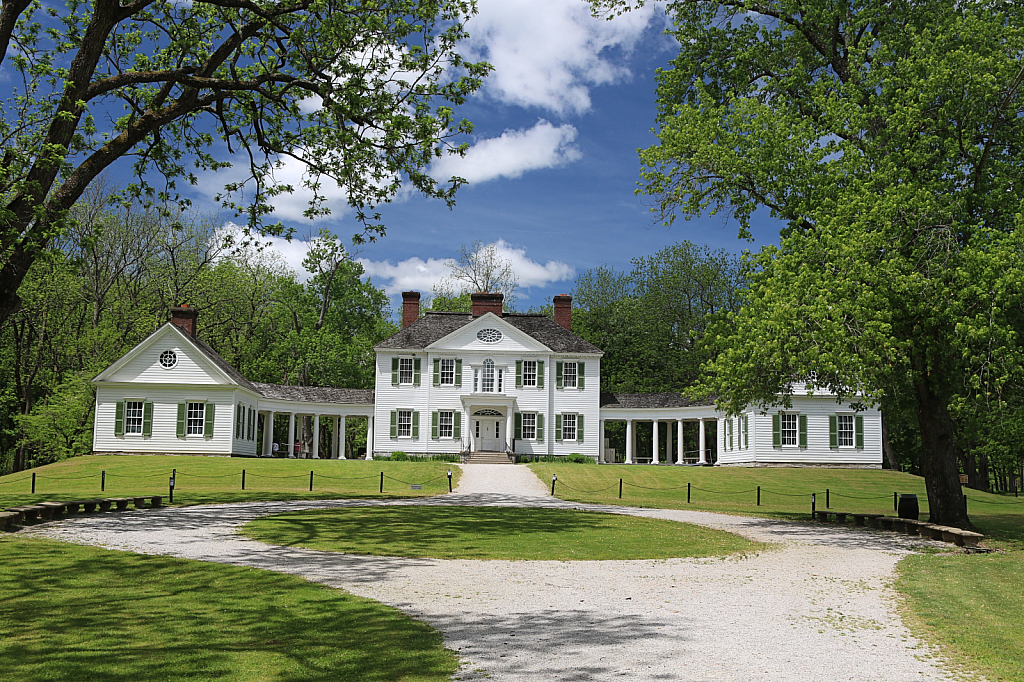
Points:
(488, 430)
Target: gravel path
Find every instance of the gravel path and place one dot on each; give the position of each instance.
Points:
(817, 606)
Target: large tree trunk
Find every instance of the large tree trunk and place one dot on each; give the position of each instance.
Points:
(890, 453)
(946, 502)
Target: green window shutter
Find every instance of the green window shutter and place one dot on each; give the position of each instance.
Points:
(777, 430)
(540, 428)
(252, 424)
(833, 431)
(802, 421)
(558, 428)
(415, 424)
(558, 376)
(119, 418)
(147, 419)
(519, 373)
(581, 370)
(746, 431)
(394, 423)
(858, 430)
(208, 413)
(434, 420)
(540, 374)
(416, 372)
(519, 426)
(437, 371)
(394, 371)
(579, 428)
(181, 420)
(458, 372)
(731, 422)
(457, 425)
(238, 421)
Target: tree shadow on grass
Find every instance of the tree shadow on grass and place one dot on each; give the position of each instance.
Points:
(81, 613)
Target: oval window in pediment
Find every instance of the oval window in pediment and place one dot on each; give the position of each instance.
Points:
(489, 335)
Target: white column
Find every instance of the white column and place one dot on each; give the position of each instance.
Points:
(702, 444)
(268, 434)
(316, 437)
(600, 441)
(291, 434)
(369, 437)
(629, 441)
(509, 429)
(656, 447)
(680, 448)
(339, 430)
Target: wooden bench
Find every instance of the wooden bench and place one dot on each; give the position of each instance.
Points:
(121, 502)
(957, 536)
(8, 519)
(30, 511)
(823, 514)
(56, 508)
(155, 500)
(859, 519)
(88, 505)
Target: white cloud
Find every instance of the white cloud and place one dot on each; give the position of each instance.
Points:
(549, 53)
(512, 154)
(416, 274)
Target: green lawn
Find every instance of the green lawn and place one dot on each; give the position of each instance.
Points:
(206, 480)
(493, 533)
(79, 613)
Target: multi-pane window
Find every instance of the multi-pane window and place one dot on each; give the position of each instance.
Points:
(489, 379)
(529, 425)
(569, 377)
(569, 422)
(447, 371)
(845, 424)
(133, 416)
(789, 429)
(196, 417)
(487, 385)
(405, 423)
(405, 370)
(529, 373)
(446, 424)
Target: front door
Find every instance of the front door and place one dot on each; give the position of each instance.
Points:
(488, 434)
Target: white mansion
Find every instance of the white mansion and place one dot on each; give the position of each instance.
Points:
(485, 381)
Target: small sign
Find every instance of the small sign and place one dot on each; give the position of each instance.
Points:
(416, 486)
(171, 481)
(963, 479)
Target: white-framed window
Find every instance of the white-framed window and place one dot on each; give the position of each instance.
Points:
(789, 429)
(488, 379)
(446, 424)
(845, 429)
(405, 370)
(168, 359)
(569, 424)
(405, 423)
(487, 384)
(529, 425)
(529, 372)
(195, 417)
(132, 416)
(728, 434)
(447, 371)
(569, 377)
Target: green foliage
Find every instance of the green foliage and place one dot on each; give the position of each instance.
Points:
(60, 426)
(571, 458)
(403, 457)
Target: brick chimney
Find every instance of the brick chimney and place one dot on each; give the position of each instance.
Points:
(484, 302)
(563, 310)
(410, 307)
(185, 318)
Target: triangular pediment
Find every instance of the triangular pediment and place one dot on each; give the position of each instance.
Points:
(509, 339)
(150, 362)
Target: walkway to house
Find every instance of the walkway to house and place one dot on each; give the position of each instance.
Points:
(817, 606)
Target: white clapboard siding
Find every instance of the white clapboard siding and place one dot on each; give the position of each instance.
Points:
(141, 364)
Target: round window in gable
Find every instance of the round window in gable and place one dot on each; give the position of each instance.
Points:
(168, 359)
(489, 335)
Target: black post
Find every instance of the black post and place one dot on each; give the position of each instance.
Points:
(554, 477)
(895, 503)
(33, 483)
(812, 505)
(758, 496)
(382, 481)
(687, 493)
(310, 481)
(620, 488)
(170, 487)
(243, 479)
(828, 504)
(449, 480)
(103, 480)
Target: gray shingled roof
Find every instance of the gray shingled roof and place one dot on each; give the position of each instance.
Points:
(435, 326)
(650, 401)
(317, 394)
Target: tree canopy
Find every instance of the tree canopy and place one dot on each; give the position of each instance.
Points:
(360, 94)
(888, 136)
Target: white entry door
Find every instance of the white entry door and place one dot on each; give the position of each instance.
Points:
(488, 432)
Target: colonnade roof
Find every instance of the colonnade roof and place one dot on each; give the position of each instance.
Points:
(316, 394)
(649, 401)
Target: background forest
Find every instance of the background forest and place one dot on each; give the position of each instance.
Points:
(115, 275)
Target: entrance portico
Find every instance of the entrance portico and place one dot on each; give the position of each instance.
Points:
(490, 422)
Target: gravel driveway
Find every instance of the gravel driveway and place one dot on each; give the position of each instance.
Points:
(816, 607)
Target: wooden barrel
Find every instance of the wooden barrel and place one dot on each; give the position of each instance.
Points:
(907, 507)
